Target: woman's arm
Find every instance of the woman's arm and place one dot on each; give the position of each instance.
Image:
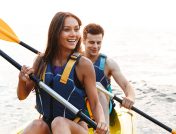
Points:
(87, 77)
(25, 85)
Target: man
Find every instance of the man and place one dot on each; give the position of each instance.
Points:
(105, 68)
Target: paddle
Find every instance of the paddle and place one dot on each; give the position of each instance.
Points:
(136, 110)
(6, 33)
(118, 99)
(50, 91)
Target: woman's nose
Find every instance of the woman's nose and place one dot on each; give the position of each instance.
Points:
(73, 32)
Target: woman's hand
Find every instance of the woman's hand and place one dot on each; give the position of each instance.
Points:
(102, 128)
(24, 73)
(25, 85)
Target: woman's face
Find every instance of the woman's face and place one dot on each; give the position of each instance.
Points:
(70, 34)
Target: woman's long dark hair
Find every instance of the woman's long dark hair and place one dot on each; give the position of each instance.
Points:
(55, 28)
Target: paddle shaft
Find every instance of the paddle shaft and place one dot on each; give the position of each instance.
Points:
(9, 35)
(136, 110)
(50, 91)
(146, 115)
(29, 47)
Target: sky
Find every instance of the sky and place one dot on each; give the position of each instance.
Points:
(30, 19)
(120, 14)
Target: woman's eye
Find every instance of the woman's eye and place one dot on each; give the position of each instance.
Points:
(66, 29)
(76, 29)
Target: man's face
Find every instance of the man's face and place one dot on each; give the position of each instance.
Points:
(93, 44)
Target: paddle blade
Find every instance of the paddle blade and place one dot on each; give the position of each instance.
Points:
(6, 33)
(173, 131)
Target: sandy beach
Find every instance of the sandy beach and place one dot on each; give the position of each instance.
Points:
(146, 59)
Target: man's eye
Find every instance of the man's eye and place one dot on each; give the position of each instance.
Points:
(99, 42)
(91, 42)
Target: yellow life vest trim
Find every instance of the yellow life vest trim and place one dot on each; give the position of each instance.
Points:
(43, 75)
(88, 108)
(67, 70)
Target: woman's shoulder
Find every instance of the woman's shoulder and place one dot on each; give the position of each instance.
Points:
(40, 55)
(38, 59)
(84, 61)
(84, 67)
(84, 64)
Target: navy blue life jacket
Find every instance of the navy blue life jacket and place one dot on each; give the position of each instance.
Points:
(62, 82)
(99, 66)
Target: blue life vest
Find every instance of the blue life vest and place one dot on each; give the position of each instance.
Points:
(99, 66)
(63, 83)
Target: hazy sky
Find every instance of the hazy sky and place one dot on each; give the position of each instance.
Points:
(119, 13)
(30, 18)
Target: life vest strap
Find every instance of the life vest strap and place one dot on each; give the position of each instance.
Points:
(69, 66)
(88, 108)
(102, 61)
(43, 75)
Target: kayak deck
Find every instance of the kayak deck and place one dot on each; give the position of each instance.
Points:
(124, 123)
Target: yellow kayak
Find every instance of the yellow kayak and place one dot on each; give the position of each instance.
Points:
(121, 122)
(124, 122)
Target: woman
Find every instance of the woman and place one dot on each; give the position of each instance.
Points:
(63, 70)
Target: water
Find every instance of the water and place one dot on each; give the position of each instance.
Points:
(146, 58)
(148, 61)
